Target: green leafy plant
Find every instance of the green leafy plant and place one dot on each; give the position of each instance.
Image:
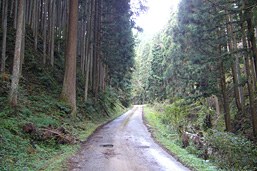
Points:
(231, 151)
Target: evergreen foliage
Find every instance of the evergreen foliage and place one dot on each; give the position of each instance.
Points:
(204, 76)
(107, 54)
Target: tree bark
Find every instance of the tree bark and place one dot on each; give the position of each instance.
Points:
(69, 83)
(17, 55)
(35, 27)
(225, 98)
(248, 75)
(238, 72)
(44, 31)
(4, 26)
(52, 33)
(233, 64)
(251, 37)
(88, 48)
(15, 14)
(224, 90)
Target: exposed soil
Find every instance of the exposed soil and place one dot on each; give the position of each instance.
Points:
(124, 144)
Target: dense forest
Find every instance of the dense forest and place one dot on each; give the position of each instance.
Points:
(66, 66)
(54, 25)
(199, 72)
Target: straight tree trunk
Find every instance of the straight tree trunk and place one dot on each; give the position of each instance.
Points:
(30, 9)
(23, 41)
(252, 65)
(252, 38)
(58, 24)
(233, 64)
(83, 39)
(224, 91)
(50, 6)
(15, 14)
(4, 26)
(250, 86)
(68, 93)
(241, 93)
(96, 54)
(11, 11)
(35, 28)
(67, 19)
(52, 33)
(88, 48)
(40, 17)
(3, 11)
(17, 55)
(44, 31)
(225, 98)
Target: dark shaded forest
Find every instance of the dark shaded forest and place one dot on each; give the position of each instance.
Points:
(66, 68)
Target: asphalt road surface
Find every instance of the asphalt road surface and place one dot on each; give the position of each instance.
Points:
(124, 144)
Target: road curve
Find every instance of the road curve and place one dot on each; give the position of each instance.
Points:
(124, 144)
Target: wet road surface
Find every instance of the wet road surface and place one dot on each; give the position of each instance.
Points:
(124, 144)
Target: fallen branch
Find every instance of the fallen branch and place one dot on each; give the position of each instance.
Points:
(60, 134)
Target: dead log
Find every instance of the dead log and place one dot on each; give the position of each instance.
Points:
(60, 135)
(195, 138)
(30, 128)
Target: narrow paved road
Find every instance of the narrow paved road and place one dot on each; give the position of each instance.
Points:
(124, 145)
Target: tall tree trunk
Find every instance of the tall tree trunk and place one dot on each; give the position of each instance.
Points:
(225, 98)
(224, 90)
(41, 14)
(82, 50)
(241, 93)
(96, 54)
(248, 75)
(11, 11)
(35, 27)
(58, 24)
(69, 83)
(17, 55)
(15, 14)
(23, 41)
(67, 19)
(50, 6)
(44, 31)
(233, 64)
(4, 26)
(251, 37)
(252, 65)
(30, 9)
(3, 10)
(52, 33)
(89, 49)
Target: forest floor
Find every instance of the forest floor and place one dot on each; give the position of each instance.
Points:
(124, 144)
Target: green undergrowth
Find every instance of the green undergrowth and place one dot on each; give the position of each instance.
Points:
(38, 105)
(170, 140)
(23, 151)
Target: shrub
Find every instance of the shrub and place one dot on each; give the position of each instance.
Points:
(231, 151)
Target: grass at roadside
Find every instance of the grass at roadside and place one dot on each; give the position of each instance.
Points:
(23, 151)
(170, 141)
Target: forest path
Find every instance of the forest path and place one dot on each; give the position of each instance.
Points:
(124, 144)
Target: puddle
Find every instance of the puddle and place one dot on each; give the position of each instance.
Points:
(106, 145)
